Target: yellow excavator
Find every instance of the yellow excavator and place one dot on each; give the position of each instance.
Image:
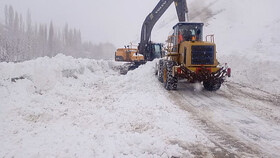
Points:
(128, 55)
(131, 56)
(147, 50)
(133, 59)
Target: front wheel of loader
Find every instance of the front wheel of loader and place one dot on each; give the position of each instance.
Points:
(212, 86)
(170, 81)
(160, 70)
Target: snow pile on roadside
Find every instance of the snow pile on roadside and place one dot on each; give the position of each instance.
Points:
(44, 73)
(67, 107)
(260, 74)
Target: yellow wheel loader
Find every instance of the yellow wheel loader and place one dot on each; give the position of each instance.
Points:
(191, 58)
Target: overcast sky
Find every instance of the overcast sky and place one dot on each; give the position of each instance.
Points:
(115, 21)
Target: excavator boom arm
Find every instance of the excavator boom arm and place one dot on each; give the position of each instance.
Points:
(153, 17)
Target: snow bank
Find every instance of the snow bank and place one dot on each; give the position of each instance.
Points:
(45, 72)
(65, 107)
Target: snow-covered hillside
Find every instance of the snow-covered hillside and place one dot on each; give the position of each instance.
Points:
(247, 37)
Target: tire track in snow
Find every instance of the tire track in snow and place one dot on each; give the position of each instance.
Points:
(227, 142)
(265, 105)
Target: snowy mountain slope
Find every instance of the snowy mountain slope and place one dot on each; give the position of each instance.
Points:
(68, 107)
(248, 39)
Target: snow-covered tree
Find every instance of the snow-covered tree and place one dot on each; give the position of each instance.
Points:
(21, 40)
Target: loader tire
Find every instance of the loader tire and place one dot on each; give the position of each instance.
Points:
(160, 70)
(170, 81)
(211, 86)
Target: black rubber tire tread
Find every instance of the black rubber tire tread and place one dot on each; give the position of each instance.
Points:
(160, 70)
(171, 82)
(156, 69)
(212, 86)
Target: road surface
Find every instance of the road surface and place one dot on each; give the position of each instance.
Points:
(241, 121)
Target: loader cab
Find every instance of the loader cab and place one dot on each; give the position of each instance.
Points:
(188, 31)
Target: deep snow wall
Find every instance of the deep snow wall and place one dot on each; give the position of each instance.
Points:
(44, 73)
(66, 107)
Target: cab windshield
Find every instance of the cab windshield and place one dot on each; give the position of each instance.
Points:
(157, 51)
(188, 31)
